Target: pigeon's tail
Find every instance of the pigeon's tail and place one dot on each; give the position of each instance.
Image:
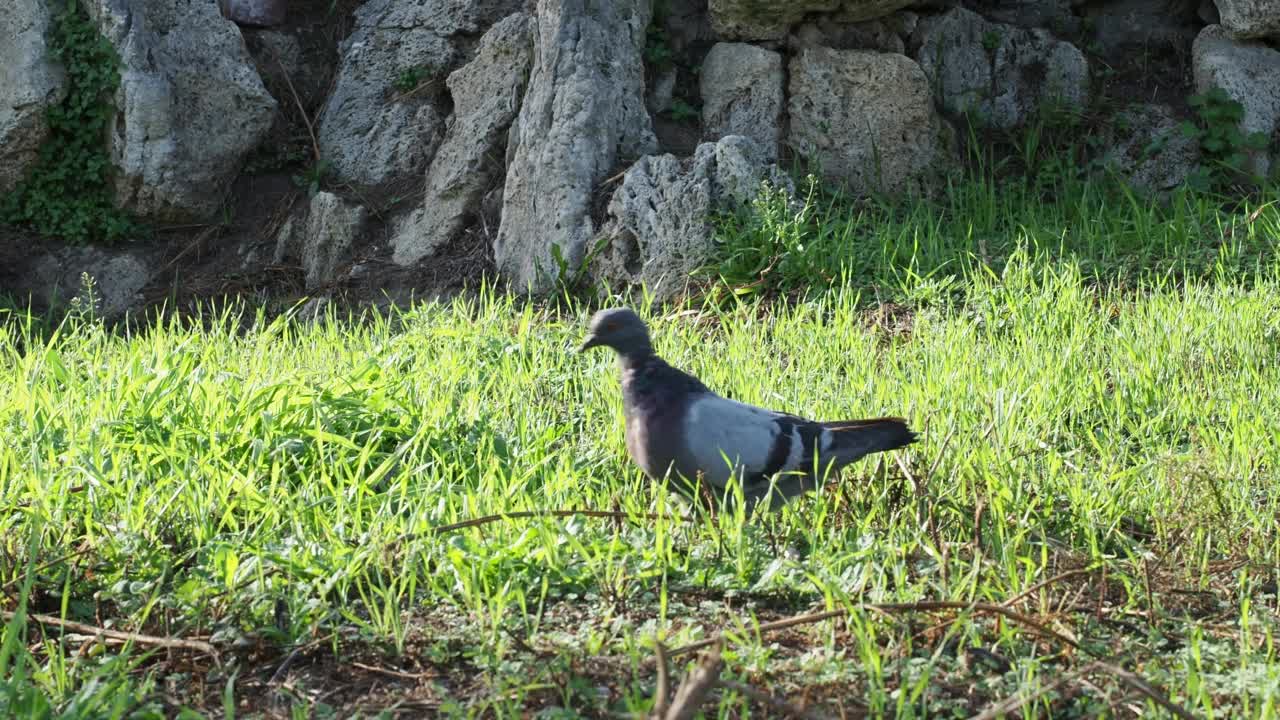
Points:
(855, 439)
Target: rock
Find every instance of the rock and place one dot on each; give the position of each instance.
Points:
(1250, 19)
(663, 92)
(33, 83)
(659, 226)
(879, 35)
(385, 117)
(486, 95)
(1249, 72)
(190, 106)
(742, 94)
(118, 276)
(999, 73)
(285, 67)
(1124, 28)
(320, 237)
(260, 13)
(770, 19)
(868, 119)
(1149, 149)
(1208, 13)
(581, 117)
(1056, 16)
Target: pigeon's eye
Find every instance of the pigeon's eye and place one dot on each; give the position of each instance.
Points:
(610, 326)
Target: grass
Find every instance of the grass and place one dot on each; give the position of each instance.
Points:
(1096, 380)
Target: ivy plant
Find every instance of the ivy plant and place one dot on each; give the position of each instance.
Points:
(67, 193)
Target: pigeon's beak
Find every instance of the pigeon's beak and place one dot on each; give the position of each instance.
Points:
(589, 343)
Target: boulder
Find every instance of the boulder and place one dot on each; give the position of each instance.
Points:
(888, 34)
(1123, 29)
(56, 278)
(868, 119)
(1249, 19)
(320, 237)
(659, 226)
(486, 96)
(582, 116)
(1248, 71)
(770, 19)
(1056, 16)
(742, 94)
(33, 83)
(998, 73)
(385, 116)
(1149, 150)
(190, 106)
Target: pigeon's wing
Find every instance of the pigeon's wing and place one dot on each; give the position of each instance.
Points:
(722, 436)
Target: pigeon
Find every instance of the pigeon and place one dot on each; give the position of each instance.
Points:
(677, 428)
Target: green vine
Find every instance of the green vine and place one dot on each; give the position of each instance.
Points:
(68, 192)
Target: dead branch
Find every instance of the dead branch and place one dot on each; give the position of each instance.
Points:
(924, 606)
(778, 705)
(696, 687)
(1010, 705)
(1046, 583)
(607, 514)
(662, 693)
(1138, 683)
(164, 642)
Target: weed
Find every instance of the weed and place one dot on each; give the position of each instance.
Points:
(68, 192)
(1224, 147)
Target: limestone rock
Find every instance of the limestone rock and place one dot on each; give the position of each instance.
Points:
(582, 115)
(742, 94)
(32, 83)
(1125, 28)
(190, 105)
(1248, 19)
(55, 279)
(770, 19)
(486, 95)
(320, 238)
(383, 120)
(1000, 73)
(888, 34)
(1150, 150)
(659, 219)
(1249, 72)
(868, 119)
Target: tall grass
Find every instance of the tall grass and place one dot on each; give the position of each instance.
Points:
(1088, 401)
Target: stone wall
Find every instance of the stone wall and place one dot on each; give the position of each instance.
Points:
(598, 136)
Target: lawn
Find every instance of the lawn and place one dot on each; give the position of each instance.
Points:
(271, 514)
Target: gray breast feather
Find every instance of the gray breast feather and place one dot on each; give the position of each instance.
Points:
(725, 437)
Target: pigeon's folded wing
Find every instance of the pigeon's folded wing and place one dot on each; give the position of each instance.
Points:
(722, 436)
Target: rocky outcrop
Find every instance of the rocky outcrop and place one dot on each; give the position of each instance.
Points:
(190, 106)
(582, 115)
(742, 94)
(385, 118)
(1249, 19)
(486, 96)
(1149, 149)
(867, 119)
(1249, 72)
(1124, 28)
(320, 237)
(34, 83)
(55, 279)
(770, 19)
(887, 34)
(998, 74)
(659, 219)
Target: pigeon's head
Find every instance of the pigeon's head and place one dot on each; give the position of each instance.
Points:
(617, 328)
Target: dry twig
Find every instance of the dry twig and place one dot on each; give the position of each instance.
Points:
(1046, 583)
(696, 687)
(607, 514)
(139, 638)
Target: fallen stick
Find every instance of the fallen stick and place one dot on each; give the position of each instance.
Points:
(606, 514)
(1013, 703)
(1046, 583)
(925, 606)
(139, 638)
